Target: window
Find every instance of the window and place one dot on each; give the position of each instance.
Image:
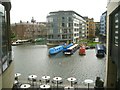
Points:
(69, 19)
(5, 52)
(63, 24)
(116, 21)
(69, 25)
(1, 35)
(63, 18)
(70, 31)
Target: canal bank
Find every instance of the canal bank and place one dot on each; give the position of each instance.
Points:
(34, 59)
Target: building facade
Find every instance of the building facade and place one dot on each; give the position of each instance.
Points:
(113, 44)
(83, 30)
(90, 27)
(6, 60)
(65, 27)
(103, 23)
(29, 30)
(97, 29)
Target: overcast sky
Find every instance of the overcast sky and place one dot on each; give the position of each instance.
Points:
(26, 9)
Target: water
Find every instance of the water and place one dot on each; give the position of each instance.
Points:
(34, 59)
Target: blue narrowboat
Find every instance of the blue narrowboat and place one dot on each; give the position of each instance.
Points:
(67, 46)
(100, 50)
(55, 50)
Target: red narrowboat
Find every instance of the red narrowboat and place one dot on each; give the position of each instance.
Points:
(82, 50)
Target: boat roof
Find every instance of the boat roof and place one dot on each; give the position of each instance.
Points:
(99, 46)
(73, 46)
(21, 40)
(56, 47)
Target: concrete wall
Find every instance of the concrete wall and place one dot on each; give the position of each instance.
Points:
(111, 68)
(0, 81)
(7, 78)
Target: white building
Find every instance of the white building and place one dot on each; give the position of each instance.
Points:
(65, 27)
(103, 23)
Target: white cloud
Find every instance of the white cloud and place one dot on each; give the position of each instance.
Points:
(26, 9)
(114, 0)
(5, 0)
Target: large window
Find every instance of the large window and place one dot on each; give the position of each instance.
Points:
(4, 52)
(1, 26)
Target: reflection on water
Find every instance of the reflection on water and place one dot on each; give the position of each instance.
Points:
(34, 59)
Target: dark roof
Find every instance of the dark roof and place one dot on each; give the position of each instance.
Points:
(104, 12)
(67, 11)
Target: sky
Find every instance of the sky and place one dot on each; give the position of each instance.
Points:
(39, 9)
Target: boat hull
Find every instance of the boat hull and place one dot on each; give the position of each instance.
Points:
(82, 50)
(67, 46)
(55, 50)
(71, 50)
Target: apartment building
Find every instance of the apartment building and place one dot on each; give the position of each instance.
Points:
(97, 29)
(90, 27)
(65, 27)
(113, 44)
(83, 30)
(103, 23)
(29, 30)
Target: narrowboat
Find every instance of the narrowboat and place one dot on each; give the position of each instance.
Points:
(100, 50)
(55, 50)
(71, 49)
(20, 42)
(67, 46)
(82, 50)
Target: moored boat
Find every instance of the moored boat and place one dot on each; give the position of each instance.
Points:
(100, 50)
(55, 50)
(71, 49)
(15, 43)
(67, 46)
(20, 42)
(82, 50)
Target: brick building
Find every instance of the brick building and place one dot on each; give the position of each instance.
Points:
(29, 30)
